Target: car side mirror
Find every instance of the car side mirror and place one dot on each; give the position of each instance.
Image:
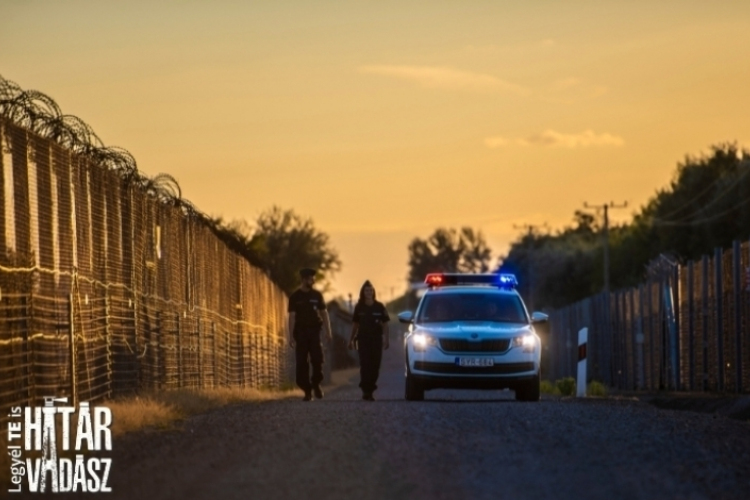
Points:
(539, 317)
(406, 317)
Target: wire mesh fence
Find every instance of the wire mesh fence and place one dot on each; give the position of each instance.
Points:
(686, 328)
(106, 287)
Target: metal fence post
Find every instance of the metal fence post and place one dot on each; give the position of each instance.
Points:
(230, 365)
(719, 292)
(661, 360)
(201, 371)
(612, 324)
(28, 373)
(634, 332)
(691, 325)
(642, 326)
(627, 339)
(73, 367)
(650, 355)
(215, 354)
(704, 323)
(672, 357)
(676, 298)
(108, 340)
(179, 350)
(607, 334)
(157, 353)
(613, 350)
(737, 292)
(569, 342)
(139, 360)
(622, 363)
(619, 332)
(241, 345)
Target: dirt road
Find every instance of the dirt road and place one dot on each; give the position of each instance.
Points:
(453, 445)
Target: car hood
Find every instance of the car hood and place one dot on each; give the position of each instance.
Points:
(475, 330)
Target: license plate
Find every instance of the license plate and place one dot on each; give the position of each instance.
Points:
(475, 361)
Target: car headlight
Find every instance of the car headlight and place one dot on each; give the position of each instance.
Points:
(421, 341)
(528, 342)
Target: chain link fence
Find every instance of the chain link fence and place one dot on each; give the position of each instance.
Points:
(108, 286)
(686, 328)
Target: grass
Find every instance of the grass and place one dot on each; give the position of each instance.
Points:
(163, 408)
(139, 412)
(567, 387)
(547, 387)
(596, 388)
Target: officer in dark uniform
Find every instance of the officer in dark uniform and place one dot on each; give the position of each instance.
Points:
(307, 313)
(370, 332)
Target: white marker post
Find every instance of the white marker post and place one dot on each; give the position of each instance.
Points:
(583, 337)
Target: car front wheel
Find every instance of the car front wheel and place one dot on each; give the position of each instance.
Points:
(413, 389)
(529, 390)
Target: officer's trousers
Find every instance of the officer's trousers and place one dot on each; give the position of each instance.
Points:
(308, 348)
(370, 354)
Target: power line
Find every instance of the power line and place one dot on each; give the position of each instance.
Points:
(707, 189)
(717, 197)
(698, 222)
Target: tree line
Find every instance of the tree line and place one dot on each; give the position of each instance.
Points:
(706, 205)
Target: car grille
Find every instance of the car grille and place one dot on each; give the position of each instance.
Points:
(499, 369)
(461, 345)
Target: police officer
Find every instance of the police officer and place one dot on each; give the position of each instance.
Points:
(307, 313)
(370, 331)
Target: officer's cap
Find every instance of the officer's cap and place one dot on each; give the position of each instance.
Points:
(306, 272)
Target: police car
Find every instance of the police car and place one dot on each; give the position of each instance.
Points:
(472, 331)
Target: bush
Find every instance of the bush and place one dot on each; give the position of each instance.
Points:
(596, 388)
(547, 387)
(566, 386)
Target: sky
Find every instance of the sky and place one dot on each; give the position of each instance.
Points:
(384, 120)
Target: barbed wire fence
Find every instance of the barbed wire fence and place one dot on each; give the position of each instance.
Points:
(687, 328)
(110, 282)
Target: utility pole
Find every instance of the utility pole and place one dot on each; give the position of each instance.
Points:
(605, 234)
(530, 228)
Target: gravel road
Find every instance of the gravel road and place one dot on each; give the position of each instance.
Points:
(456, 444)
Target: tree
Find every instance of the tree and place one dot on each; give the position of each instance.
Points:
(285, 242)
(448, 250)
(705, 206)
(281, 243)
(585, 222)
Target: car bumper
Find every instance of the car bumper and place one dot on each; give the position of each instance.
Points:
(428, 382)
(435, 368)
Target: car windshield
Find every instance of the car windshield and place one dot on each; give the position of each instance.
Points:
(503, 308)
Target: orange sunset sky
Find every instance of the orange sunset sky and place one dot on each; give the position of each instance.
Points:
(383, 120)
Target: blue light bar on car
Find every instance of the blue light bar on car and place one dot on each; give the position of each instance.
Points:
(447, 279)
(507, 280)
